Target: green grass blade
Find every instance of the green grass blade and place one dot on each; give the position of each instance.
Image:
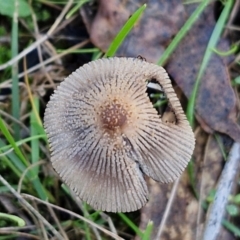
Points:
(131, 224)
(12, 160)
(12, 163)
(83, 50)
(86, 226)
(15, 87)
(221, 146)
(192, 100)
(148, 231)
(236, 81)
(4, 147)
(116, 43)
(10, 139)
(22, 162)
(231, 227)
(17, 220)
(182, 32)
(34, 142)
(97, 55)
(35, 148)
(211, 45)
(231, 51)
(88, 50)
(39, 188)
(5, 189)
(76, 8)
(192, 178)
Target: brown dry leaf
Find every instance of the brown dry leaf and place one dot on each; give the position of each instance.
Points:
(151, 34)
(216, 101)
(110, 18)
(181, 220)
(154, 209)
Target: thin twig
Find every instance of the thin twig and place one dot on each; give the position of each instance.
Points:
(40, 40)
(53, 214)
(39, 49)
(5, 114)
(78, 201)
(224, 188)
(40, 225)
(75, 215)
(60, 18)
(110, 222)
(201, 186)
(233, 15)
(7, 152)
(25, 228)
(168, 207)
(25, 173)
(51, 59)
(27, 205)
(25, 235)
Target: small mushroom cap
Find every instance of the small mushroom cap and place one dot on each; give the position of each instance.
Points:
(104, 133)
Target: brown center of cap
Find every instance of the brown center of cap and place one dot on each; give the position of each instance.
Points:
(113, 116)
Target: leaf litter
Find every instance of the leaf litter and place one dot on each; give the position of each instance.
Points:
(216, 103)
(182, 217)
(216, 100)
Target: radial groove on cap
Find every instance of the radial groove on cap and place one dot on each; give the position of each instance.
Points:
(102, 129)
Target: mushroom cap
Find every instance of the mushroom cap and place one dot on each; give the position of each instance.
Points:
(104, 133)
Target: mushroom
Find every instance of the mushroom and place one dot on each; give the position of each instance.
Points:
(104, 133)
